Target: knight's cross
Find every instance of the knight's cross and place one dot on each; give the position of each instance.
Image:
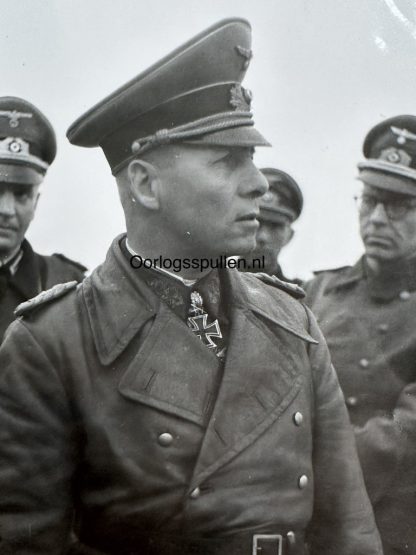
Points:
(198, 325)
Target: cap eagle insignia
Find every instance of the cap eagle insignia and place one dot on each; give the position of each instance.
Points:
(14, 116)
(240, 98)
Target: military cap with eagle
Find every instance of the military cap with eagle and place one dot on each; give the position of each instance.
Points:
(27, 142)
(284, 200)
(390, 151)
(193, 95)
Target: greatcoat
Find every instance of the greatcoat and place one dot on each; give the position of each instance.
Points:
(105, 425)
(369, 323)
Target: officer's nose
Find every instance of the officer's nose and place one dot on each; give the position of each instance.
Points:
(378, 216)
(7, 204)
(254, 183)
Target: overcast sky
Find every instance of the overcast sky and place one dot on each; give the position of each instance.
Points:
(323, 73)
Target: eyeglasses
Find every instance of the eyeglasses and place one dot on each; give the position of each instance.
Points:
(394, 209)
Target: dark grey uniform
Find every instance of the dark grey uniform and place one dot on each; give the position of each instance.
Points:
(33, 274)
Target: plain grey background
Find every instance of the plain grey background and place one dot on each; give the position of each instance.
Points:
(323, 72)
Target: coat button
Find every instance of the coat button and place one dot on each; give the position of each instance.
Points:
(351, 401)
(383, 328)
(195, 493)
(404, 295)
(165, 439)
(303, 481)
(298, 418)
(364, 363)
(291, 538)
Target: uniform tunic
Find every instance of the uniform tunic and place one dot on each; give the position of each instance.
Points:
(370, 327)
(34, 274)
(115, 417)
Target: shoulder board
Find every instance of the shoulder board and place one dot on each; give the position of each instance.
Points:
(339, 269)
(71, 262)
(45, 297)
(290, 288)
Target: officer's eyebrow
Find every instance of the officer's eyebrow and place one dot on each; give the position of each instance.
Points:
(231, 151)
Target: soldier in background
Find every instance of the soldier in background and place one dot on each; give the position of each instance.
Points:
(368, 315)
(27, 148)
(280, 206)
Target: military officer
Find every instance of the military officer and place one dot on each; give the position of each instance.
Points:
(27, 148)
(177, 412)
(280, 206)
(367, 313)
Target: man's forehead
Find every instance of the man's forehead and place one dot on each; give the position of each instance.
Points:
(200, 152)
(16, 187)
(385, 194)
(215, 148)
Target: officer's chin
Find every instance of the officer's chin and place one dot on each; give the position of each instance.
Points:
(8, 242)
(379, 252)
(243, 246)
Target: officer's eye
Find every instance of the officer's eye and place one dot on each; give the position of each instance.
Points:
(23, 195)
(227, 157)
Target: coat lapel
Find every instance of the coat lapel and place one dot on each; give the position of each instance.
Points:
(168, 367)
(27, 279)
(261, 375)
(173, 371)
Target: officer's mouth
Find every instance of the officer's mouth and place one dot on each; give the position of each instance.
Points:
(249, 218)
(377, 241)
(7, 228)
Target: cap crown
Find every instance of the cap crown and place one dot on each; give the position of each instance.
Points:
(390, 151)
(26, 136)
(193, 91)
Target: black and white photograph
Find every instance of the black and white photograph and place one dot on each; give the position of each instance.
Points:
(208, 277)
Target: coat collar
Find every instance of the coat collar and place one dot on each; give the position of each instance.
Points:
(269, 302)
(380, 287)
(119, 303)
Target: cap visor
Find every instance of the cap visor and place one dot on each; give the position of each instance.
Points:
(388, 182)
(244, 136)
(276, 217)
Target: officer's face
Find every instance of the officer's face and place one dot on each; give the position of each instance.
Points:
(388, 230)
(17, 208)
(210, 199)
(270, 239)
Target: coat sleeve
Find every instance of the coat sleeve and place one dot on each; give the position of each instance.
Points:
(36, 450)
(343, 520)
(387, 446)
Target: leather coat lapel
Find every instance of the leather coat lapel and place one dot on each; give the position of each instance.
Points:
(261, 376)
(171, 370)
(118, 305)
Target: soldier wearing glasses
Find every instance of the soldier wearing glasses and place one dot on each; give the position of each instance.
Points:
(368, 315)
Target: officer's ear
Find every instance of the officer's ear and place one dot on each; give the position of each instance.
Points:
(290, 232)
(36, 194)
(144, 184)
